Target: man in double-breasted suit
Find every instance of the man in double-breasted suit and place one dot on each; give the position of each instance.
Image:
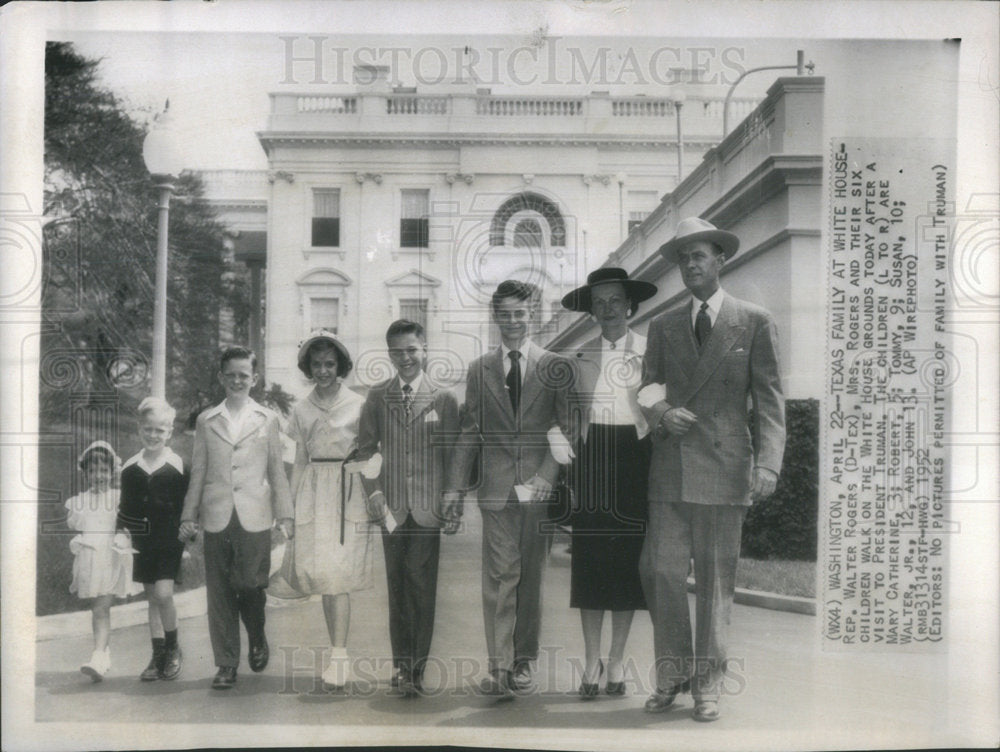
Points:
(703, 361)
(514, 395)
(238, 489)
(412, 425)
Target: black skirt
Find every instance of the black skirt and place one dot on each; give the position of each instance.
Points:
(609, 519)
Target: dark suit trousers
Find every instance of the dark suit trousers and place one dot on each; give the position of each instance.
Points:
(710, 534)
(237, 564)
(411, 568)
(514, 551)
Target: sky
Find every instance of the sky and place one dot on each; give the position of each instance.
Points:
(218, 84)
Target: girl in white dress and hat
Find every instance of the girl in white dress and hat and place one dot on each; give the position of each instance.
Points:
(332, 553)
(102, 560)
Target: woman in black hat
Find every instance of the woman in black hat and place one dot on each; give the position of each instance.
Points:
(609, 477)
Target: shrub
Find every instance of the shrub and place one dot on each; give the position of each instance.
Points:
(784, 526)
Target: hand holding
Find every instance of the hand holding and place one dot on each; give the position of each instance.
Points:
(559, 445)
(764, 483)
(541, 488)
(287, 526)
(188, 530)
(451, 508)
(678, 420)
(376, 507)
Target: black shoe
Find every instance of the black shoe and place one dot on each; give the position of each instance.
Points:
(259, 654)
(497, 684)
(152, 671)
(171, 663)
(615, 689)
(590, 690)
(407, 687)
(706, 711)
(662, 699)
(520, 678)
(225, 678)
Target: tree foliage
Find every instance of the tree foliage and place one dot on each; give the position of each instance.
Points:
(784, 526)
(100, 251)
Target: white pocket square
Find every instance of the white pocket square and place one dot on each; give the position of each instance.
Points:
(430, 416)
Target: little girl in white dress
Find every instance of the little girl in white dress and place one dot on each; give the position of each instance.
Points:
(102, 560)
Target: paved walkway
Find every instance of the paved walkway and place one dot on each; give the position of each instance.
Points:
(784, 691)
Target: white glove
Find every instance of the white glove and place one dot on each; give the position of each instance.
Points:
(650, 394)
(373, 467)
(562, 452)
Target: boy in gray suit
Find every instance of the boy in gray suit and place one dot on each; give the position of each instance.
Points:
(412, 425)
(238, 488)
(514, 395)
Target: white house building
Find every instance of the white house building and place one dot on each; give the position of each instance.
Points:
(392, 202)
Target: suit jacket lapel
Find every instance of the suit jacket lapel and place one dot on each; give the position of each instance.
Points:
(532, 385)
(725, 331)
(393, 401)
(251, 423)
(493, 377)
(218, 424)
(423, 401)
(683, 348)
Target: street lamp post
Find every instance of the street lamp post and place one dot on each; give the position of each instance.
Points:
(801, 66)
(164, 161)
(620, 178)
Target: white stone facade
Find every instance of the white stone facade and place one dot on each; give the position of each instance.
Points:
(540, 188)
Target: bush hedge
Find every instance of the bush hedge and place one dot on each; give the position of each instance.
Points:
(784, 526)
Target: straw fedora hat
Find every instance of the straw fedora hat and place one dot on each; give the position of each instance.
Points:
(693, 229)
(636, 289)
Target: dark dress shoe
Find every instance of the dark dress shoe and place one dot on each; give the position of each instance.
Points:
(152, 671)
(225, 678)
(171, 663)
(706, 711)
(259, 655)
(520, 679)
(590, 690)
(407, 688)
(615, 689)
(497, 685)
(662, 699)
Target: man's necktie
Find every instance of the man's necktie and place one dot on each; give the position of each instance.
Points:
(407, 399)
(702, 325)
(514, 379)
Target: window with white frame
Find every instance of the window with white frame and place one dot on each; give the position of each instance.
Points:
(413, 223)
(414, 309)
(641, 205)
(324, 313)
(528, 233)
(326, 218)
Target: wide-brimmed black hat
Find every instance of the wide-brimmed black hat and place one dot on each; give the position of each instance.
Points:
(692, 229)
(636, 289)
(322, 335)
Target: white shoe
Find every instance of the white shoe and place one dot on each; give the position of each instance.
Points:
(98, 665)
(336, 674)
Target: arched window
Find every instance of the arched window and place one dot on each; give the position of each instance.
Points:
(528, 234)
(530, 202)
